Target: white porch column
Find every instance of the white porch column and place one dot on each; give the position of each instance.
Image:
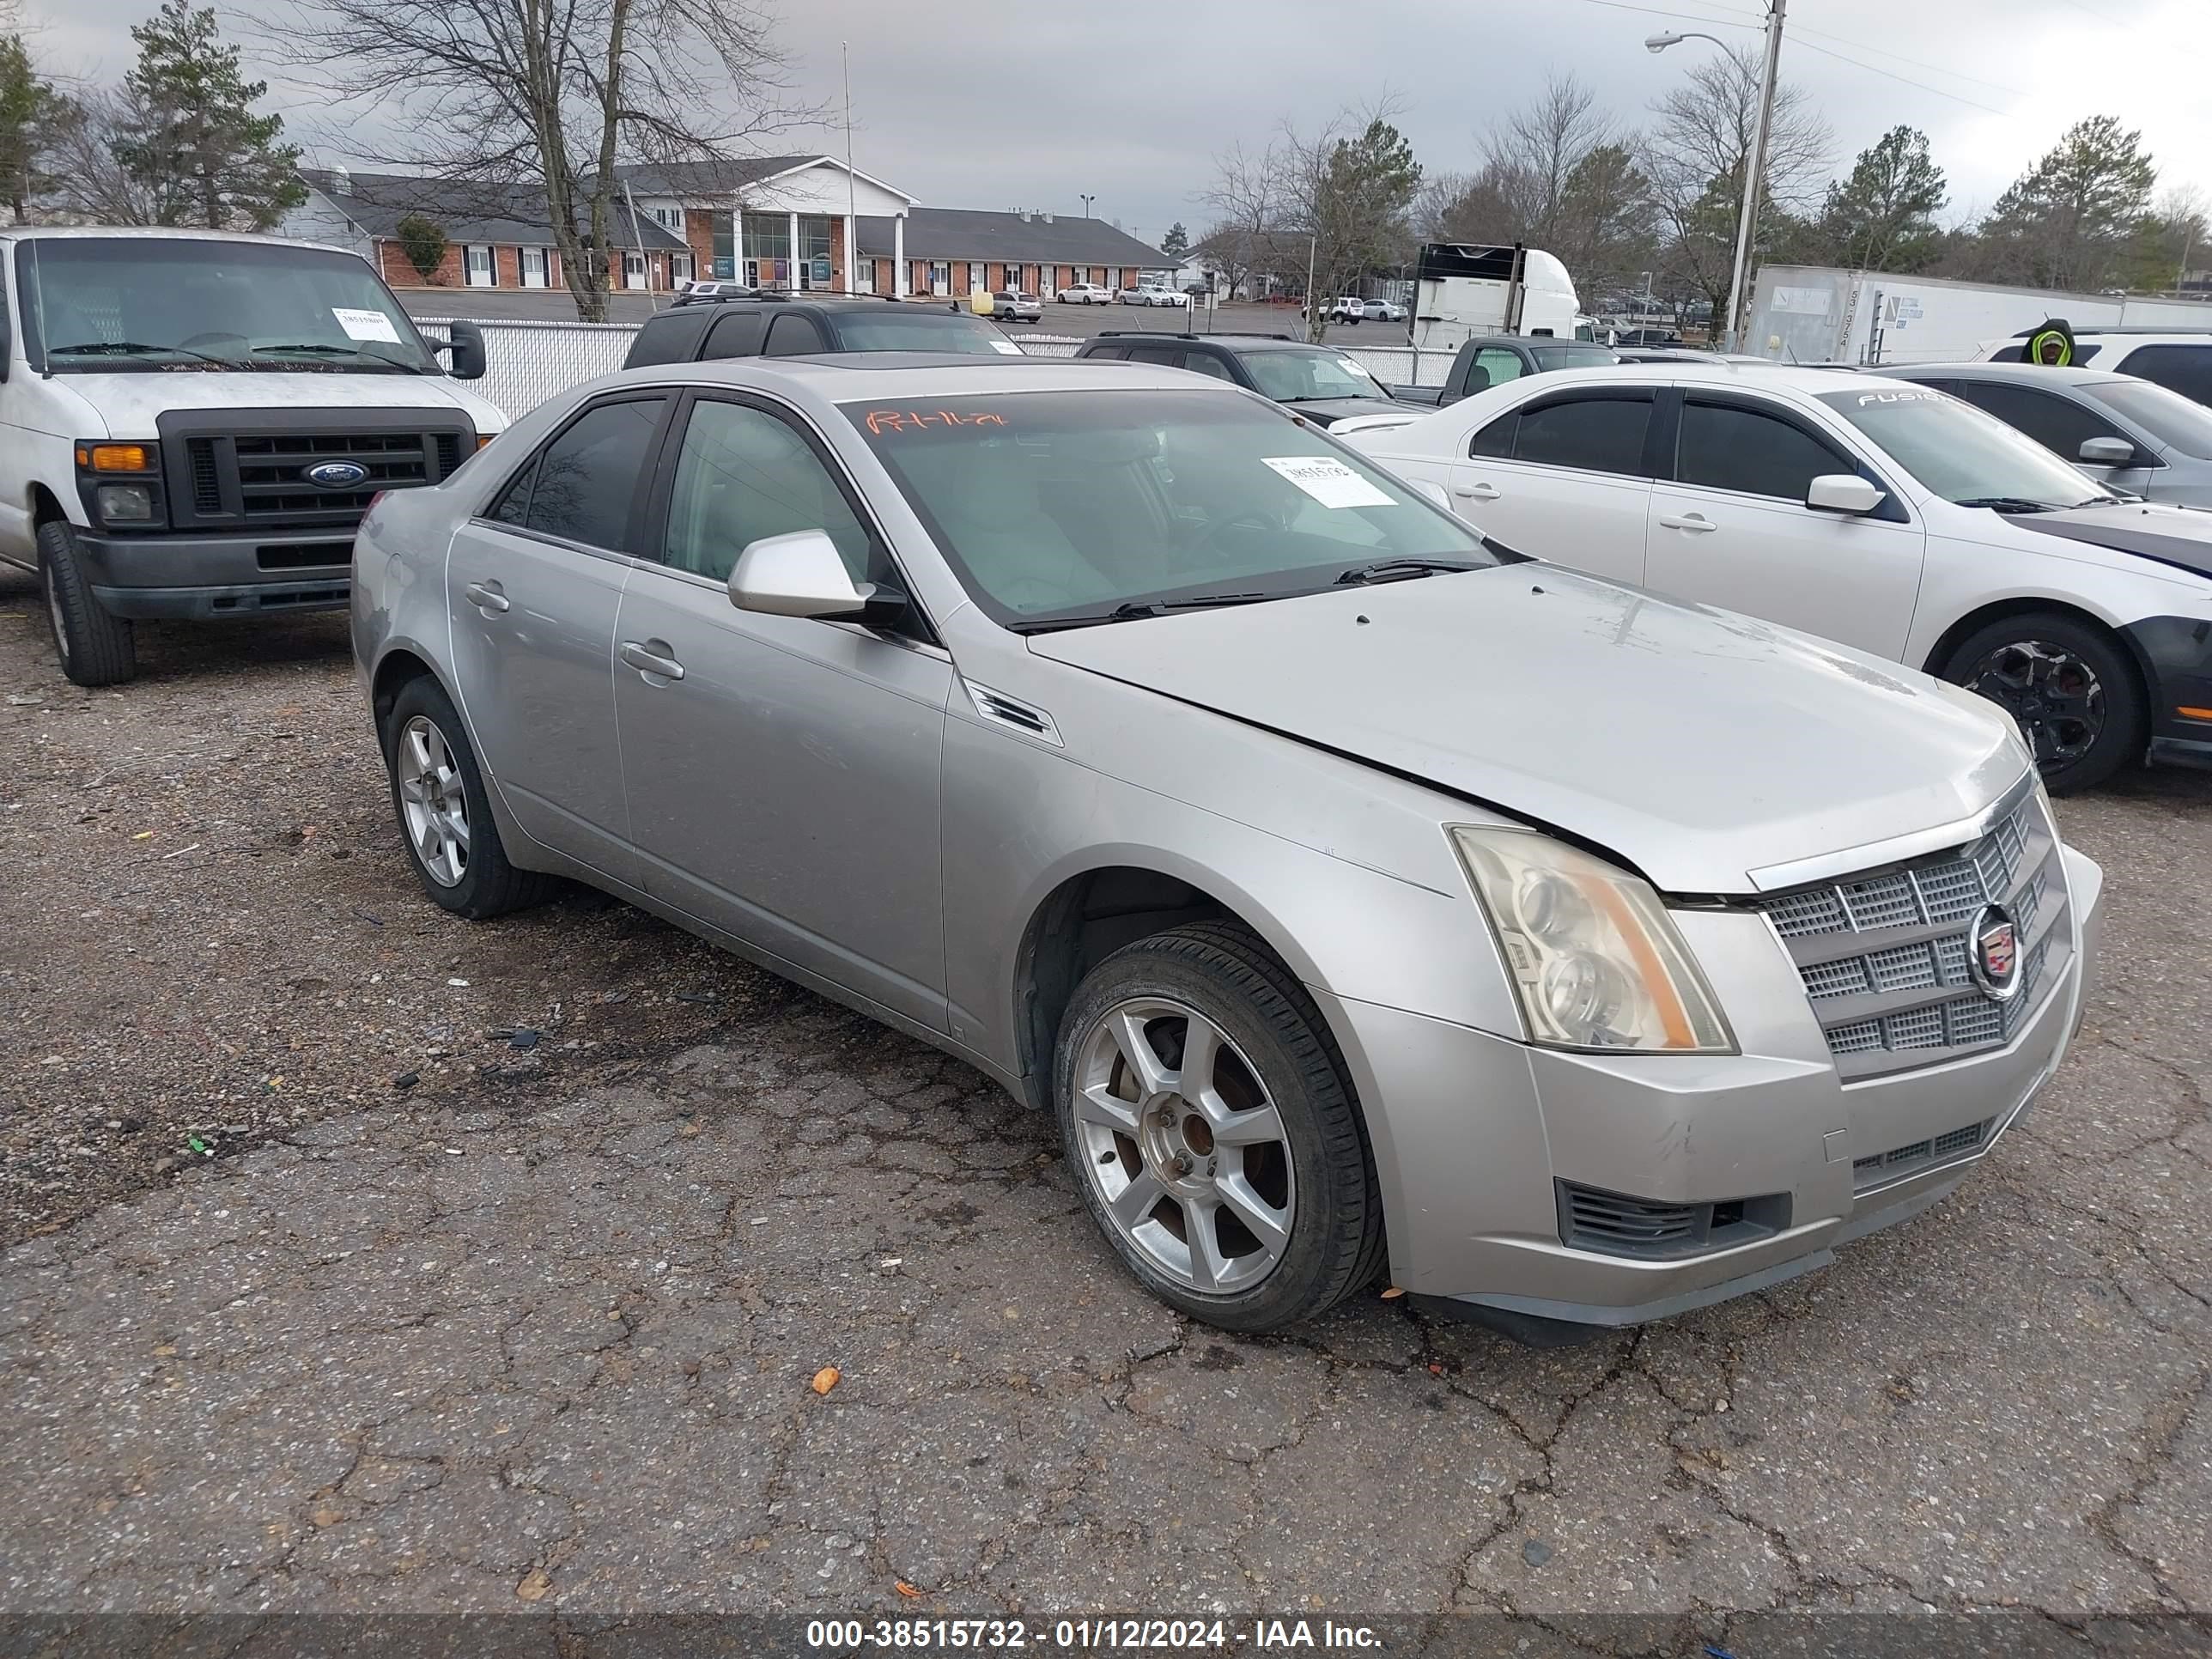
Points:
(736, 242)
(898, 255)
(852, 254)
(793, 251)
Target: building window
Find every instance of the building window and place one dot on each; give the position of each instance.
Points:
(814, 268)
(478, 269)
(534, 267)
(725, 244)
(670, 218)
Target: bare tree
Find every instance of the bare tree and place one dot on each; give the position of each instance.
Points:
(89, 182)
(1244, 197)
(553, 94)
(1530, 155)
(1696, 155)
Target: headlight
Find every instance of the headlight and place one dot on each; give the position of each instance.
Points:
(1597, 962)
(121, 501)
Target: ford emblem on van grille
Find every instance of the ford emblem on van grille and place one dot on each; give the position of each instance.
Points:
(336, 475)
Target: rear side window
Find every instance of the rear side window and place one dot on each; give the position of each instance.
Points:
(1200, 362)
(581, 487)
(2183, 368)
(1114, 353)
(670, 338)
(794, 337)
(736, 334)
(1726, 446)
(2059, 424)
(1162, 357)
(1594, 434)
(1498, 365)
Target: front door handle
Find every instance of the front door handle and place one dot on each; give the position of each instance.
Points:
(652, 657)
(1481, 492)
(486, 597)
(1693, 521)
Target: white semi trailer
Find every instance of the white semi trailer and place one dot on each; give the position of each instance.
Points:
(1461, 289)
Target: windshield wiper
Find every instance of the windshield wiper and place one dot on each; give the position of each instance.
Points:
(1385, 570)
(1135, 610)
(2007, 504)
(134, 349)
(312, 350)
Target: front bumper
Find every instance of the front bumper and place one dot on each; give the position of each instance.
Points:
(2175, 653)
(201, 577)
(1474, 1134)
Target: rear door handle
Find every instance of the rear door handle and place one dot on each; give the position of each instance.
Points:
(1696, 521)
(486, 597)
(1481, 492)
(652, 657)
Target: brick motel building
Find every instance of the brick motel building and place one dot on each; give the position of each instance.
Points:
(788, 221)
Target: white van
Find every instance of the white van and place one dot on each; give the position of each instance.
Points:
(193, 424)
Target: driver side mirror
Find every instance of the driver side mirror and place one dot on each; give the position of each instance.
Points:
(466, 343)
(803, 575)
(1843, 492)
(2107, 452)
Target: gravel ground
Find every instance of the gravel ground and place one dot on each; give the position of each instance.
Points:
(547, 1330)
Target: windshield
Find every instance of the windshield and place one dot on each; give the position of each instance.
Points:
(131, 305)
(1960, 453)
(1309, 376)
(1071, 503)
(1572, 357)
(2168, 416)
(893, 330)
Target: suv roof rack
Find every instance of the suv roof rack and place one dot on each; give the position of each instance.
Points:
(1177, 334)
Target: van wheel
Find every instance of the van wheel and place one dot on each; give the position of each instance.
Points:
(1205, 1115)
(94, 647)
(2069, 686)
(438, 796)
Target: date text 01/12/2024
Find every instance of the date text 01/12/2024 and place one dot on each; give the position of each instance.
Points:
(1089, 1635)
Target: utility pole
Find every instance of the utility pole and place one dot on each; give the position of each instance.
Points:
(1754, 173)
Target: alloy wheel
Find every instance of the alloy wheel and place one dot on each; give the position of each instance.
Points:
(1183, 1146)
(432, 801)
(2053, 696)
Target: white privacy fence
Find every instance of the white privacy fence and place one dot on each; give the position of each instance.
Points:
(527, 362)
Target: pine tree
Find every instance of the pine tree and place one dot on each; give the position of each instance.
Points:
(2067, 222)
(30, 111)
(191, 138)
(1176, 242)
(1883, 216)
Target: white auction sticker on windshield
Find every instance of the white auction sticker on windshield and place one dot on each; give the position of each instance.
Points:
(1328, 480)
(365, 324)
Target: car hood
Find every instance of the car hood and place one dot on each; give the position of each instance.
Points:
(130, 402)
(1697, 745)
(2178, 536)
(1327, 411)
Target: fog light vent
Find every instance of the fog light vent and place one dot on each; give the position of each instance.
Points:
(1615, 1223)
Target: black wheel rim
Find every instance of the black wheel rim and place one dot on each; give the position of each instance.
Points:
(2052, 695)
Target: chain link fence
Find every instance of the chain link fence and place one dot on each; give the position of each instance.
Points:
(527, 362)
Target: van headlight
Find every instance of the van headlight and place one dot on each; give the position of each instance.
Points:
(1595, 961)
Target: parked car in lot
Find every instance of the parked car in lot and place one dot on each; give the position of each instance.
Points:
(2179, 360)
(2133, 435)
(194, 422)
(1324, 386)
(1883, 515)
(1383, 311)
(1085, 294)
(1487, 359)
(1008, 307)
(782, 325)
(1338, 878)
(1151, 294)
(702, 292)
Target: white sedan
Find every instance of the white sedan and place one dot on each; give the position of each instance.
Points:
(1886, 515)
(1085, 294)
(1151, 294)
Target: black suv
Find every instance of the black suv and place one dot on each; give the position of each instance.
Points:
(780, 326)
(1323, 386)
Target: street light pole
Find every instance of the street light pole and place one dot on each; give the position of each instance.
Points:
(1087, 201)
(1755, 167)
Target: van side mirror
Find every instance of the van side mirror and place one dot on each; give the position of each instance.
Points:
(803, 575)
(466, 343)
(2107, 452)
(1843, 492)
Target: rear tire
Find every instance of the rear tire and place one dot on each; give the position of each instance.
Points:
(94, 647)
(433, 772)
(2069, 686)
(1269, 1135)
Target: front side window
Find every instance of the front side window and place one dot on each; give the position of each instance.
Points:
(1308, 375)
(744, 474)
(583, 481)
(1725, 447)
(1068, 504)
(793, 336)
(1962, 454)
(2059, 424)
(1596, 435)
(2175, 421)
(1497, 365)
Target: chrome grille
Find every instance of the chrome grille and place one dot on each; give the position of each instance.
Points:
(1884, 955)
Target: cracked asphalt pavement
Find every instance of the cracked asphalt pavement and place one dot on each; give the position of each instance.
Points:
(542, 1331)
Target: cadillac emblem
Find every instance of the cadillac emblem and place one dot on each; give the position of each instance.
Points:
(1993, 953)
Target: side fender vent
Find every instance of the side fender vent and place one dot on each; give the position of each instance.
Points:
(1000, 709)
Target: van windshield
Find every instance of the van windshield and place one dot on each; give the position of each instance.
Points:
(138, 305)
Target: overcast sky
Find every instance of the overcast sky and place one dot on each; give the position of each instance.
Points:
(993, 104)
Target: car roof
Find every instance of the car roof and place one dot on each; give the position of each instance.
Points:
(826, 302)
(858, 375)
(1766, 376)
(2027, 374)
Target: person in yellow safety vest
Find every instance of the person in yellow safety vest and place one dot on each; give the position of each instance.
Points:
(2051, 346)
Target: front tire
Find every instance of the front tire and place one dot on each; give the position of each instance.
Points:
(94, 647)
(1205, 1115)
(2068, 684)
(445, 818)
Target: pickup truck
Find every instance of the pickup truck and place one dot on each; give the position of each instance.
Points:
(1490, 359)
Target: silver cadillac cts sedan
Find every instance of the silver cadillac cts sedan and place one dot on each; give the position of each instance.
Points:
(1350, 887)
